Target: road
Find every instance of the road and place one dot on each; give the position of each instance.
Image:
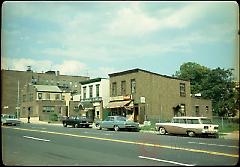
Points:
(31, 144)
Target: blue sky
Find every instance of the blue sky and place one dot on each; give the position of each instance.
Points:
(98, 38)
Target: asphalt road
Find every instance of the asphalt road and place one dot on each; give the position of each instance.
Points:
(31, 144)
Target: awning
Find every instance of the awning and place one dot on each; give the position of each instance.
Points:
(118, 104)
(86, 105)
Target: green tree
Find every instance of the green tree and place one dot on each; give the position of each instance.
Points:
(216, 84)
(193, 72)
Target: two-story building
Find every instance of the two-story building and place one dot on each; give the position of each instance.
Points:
(94, 97)
(141, 95)
(41, 101)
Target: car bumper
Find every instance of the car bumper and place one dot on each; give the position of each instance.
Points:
(209, 132)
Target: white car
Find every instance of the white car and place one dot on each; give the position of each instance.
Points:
(188, 125)
(7, 119)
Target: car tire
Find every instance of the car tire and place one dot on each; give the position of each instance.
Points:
(162, 131)
(190, 133)
(64, 124)
(116, 128)
(98, 126)
(76, 126)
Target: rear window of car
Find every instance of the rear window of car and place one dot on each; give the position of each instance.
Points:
(181, 121)
(206, 121)
(193, 121)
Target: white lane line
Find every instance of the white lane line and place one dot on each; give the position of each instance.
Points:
(34, 138)
(166, 161)
(37, 127)
(220, 145)
(98, 133)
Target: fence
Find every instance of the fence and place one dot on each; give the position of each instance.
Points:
(226, 123)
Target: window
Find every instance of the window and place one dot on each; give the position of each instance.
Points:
(30, 97)
(48, 96)
(24, 98)
(57, 97)
(114, 89)
(123, 88)
(192, 121)
(84, 92)
(48, 108)
(39, 96)
(182, 89)
(97, 90)
(207, 109)
(206, 121)
(133, 86)
(183, 110)
(90, 91)
(182, 121)
(197, 111)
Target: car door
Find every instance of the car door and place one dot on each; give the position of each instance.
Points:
(105, 123)
(110, 122)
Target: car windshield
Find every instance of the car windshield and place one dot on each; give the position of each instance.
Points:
(121, 118)
(206, 121)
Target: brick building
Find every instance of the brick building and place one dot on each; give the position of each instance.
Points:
(11, 78)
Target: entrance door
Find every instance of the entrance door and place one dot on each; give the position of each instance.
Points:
(135, 113)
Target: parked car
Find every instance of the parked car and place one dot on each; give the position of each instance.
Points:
(8, 119)
(117, 123)
(188, 125)
(77, 121)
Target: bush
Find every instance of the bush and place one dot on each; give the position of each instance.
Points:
(53, 117)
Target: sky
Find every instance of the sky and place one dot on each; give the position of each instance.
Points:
(97, 38)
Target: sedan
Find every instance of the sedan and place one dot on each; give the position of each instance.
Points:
(7, 119)
(117, 123)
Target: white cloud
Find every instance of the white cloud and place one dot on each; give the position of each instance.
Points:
(132, 20)
(70, 67)
(22, 63)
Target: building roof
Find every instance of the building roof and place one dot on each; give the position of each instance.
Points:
(91, 81)
(138, 70)
(47, 88)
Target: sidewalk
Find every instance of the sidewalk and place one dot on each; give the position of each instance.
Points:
(35, 120)
(234, 135)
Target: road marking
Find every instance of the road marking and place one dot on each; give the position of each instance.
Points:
(220, 145)
(37, 127)
(34, 138)
(132, 142)
(97, 133)
(166, 161)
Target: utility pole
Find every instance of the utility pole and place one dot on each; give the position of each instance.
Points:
(18, 102)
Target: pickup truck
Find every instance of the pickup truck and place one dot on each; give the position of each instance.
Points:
(76, 121)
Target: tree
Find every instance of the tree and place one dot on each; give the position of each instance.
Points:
(216, 84)
(193, 72)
